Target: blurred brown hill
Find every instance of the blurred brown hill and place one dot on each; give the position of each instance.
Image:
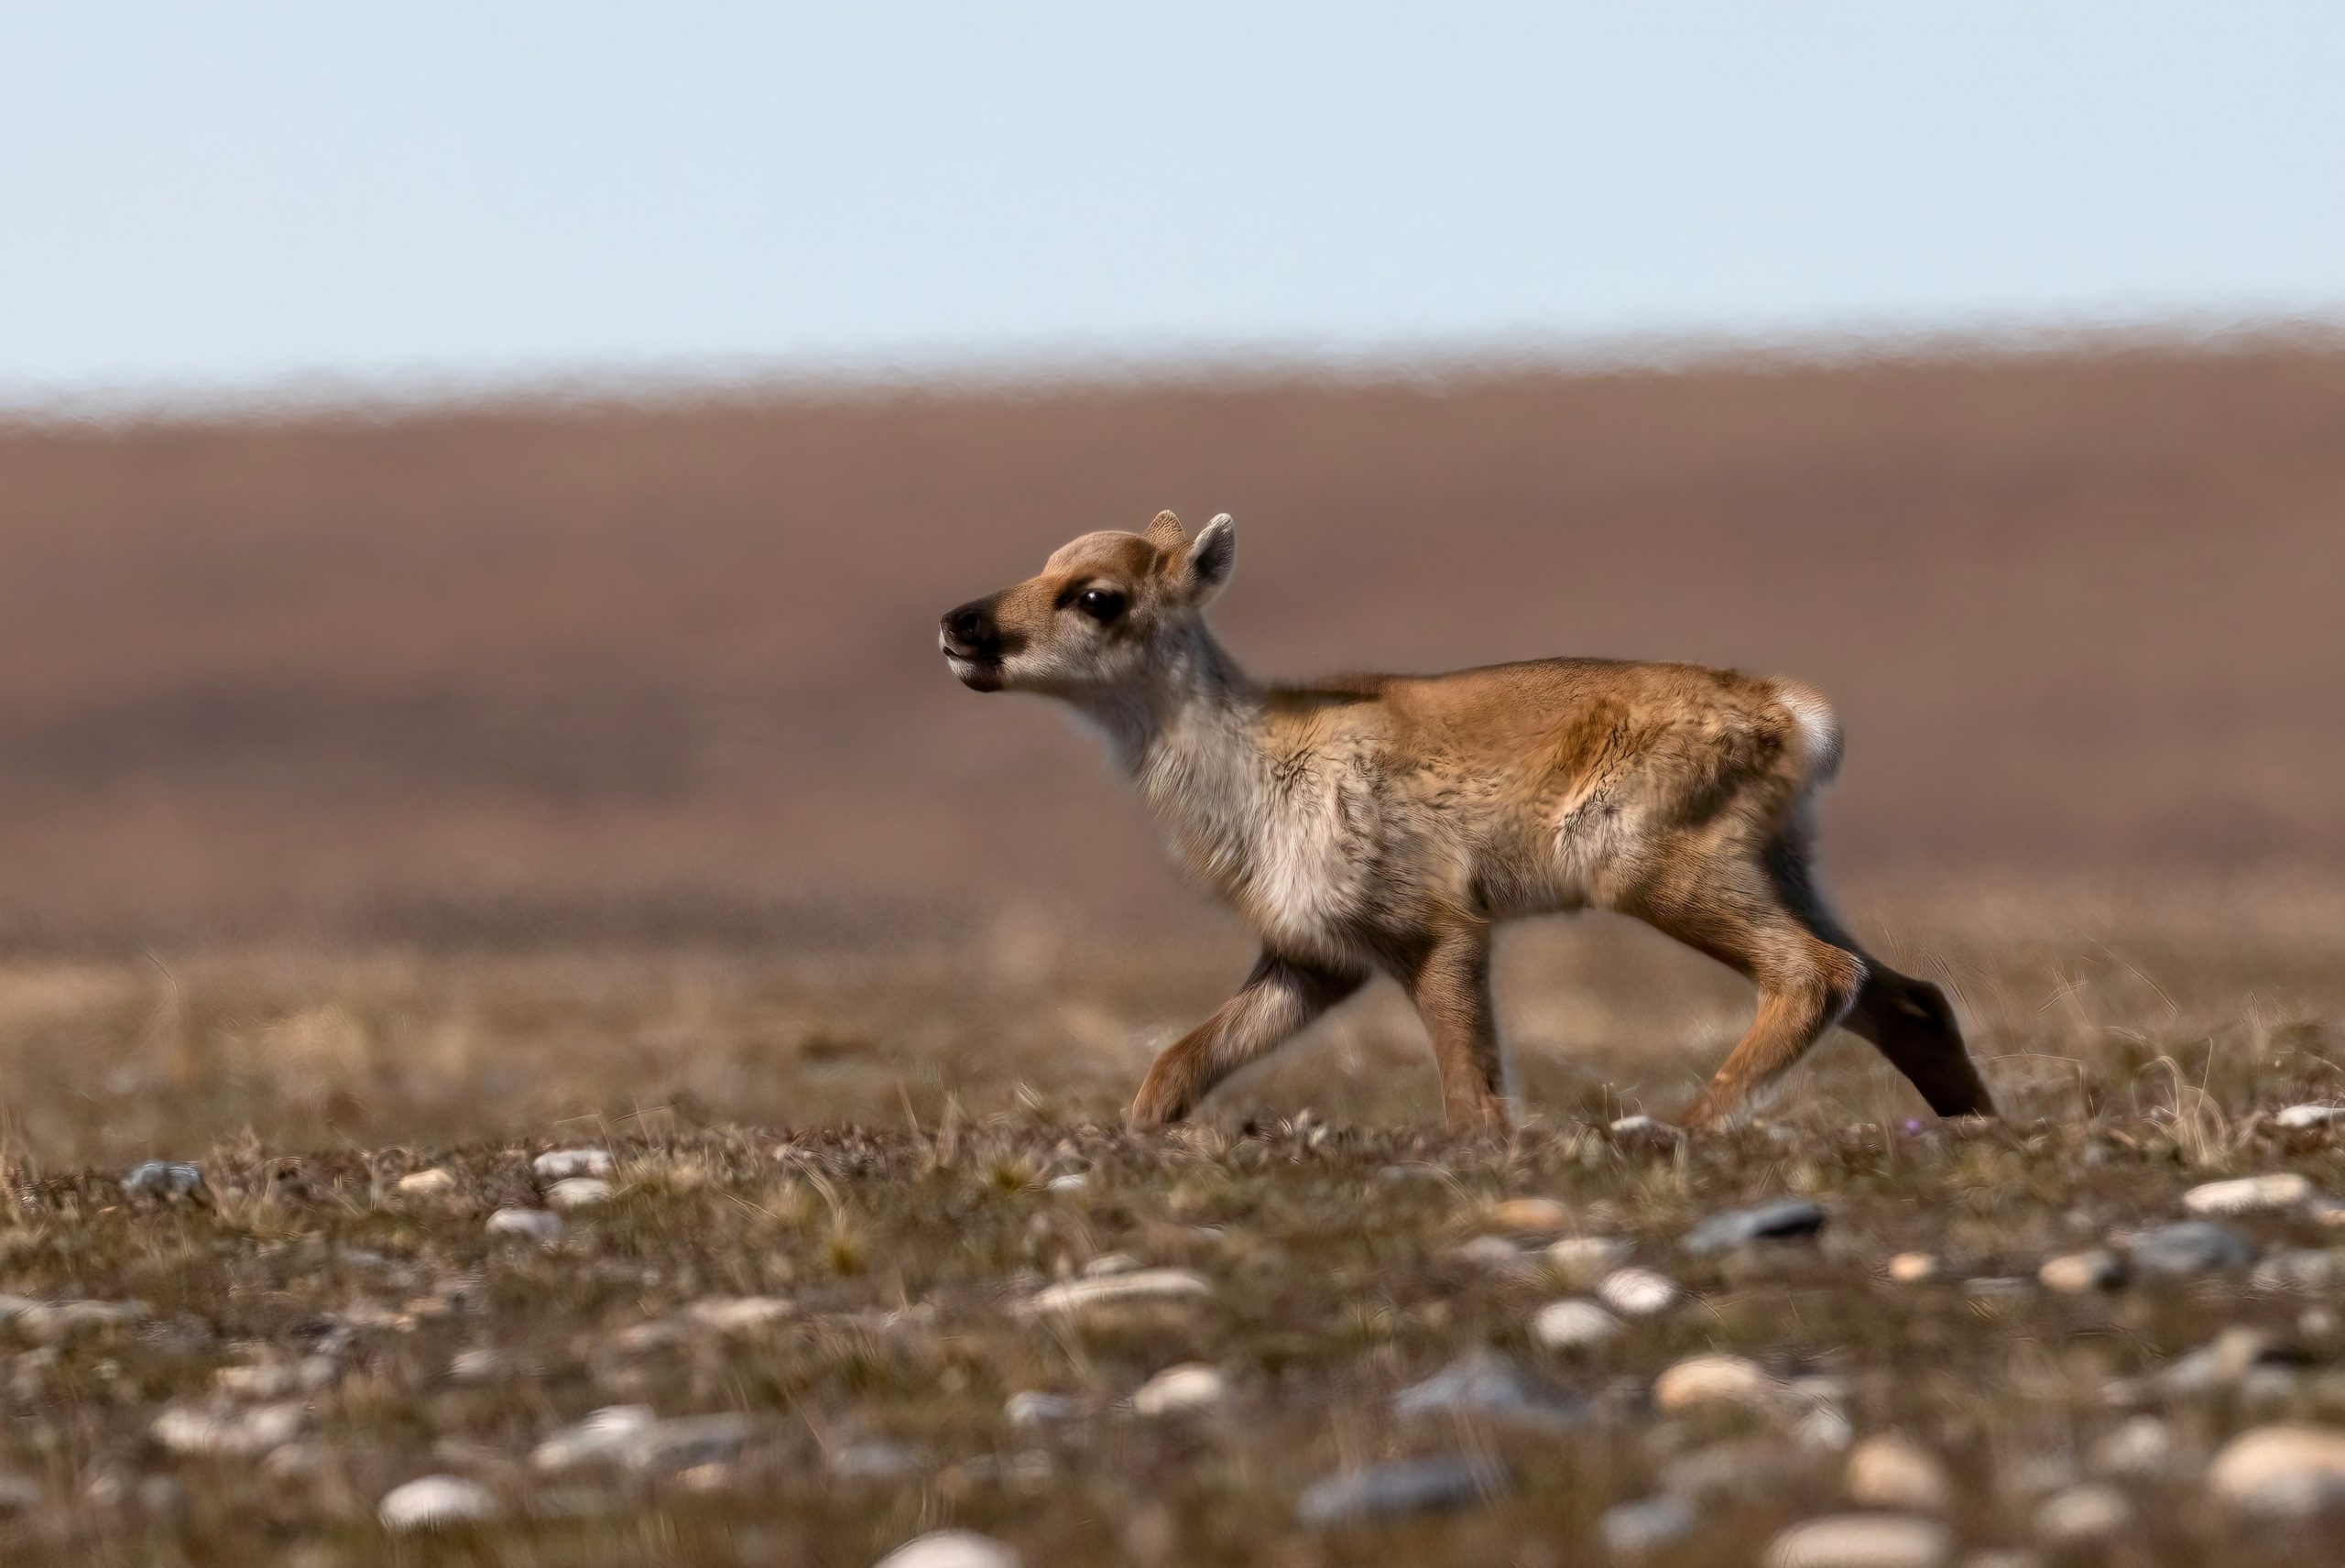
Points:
(478, 671)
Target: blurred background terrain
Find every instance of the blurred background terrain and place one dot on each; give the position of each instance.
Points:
(600, 689)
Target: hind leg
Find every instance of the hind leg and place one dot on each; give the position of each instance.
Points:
(1907, 1020)
(1727, 907)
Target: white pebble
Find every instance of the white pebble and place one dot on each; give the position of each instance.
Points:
(557, 1163)
(1913, 1268)
(427, 1183)
(2083, 1515)
(1862, 1540)
(2289, 1471)
(578, 1192)
(436, 1502)
(1637, 1293)
(1138, 1285)
(1715, 1380)
(952, 1549)
(1573, 1325)
(1179, 1390)
(1581, 1260)
(2280, 1189)
(2297, 1119)
(1887, 1471)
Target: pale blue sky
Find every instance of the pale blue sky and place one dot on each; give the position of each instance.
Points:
(232, 194)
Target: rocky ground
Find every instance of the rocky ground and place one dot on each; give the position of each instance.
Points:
(2108, 1340)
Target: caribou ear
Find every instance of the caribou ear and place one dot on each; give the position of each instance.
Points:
(1211, 558)
(1165, 533)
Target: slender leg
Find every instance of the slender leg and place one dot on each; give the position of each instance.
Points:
(1907, 1020)
(1274, 1004)
(1450, 983)
(1730, 909)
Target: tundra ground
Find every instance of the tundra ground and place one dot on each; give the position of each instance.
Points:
(811, 1234)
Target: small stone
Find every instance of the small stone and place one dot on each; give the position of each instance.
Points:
(1495, 1253)
(1531, 1216)
(1403, 1486)
(1636, 1529)
(1888, 1470)
(1072, 1181)
(876, 1459)
(603, 1437)
(1714, 1380)
(2297, 1118)
(2083, 1515)
(1862, 1540)
(573, 1193)
(540, 1225)
(1485, 1383)
(428, 1184)
(227, 1432)
(1180, 1390)
(556, 1164)
(1108, 1263)
(2140, 1448)
(952, 1549)
(482, 1364)
(738, 1314)
(2288, 1471)
(1031, 1407)
(1581, 1260)
(2080, 1273)
(1913, 1268)
(1787, 1219)
(1573, 1325)
(2189, 1247)
(163, 1180)
(437, 1502)
(1646, 1135)
(2300, 1269)
(1637, 1293)
(1139, 1285)
(2229, 1360)
(2247, 1194)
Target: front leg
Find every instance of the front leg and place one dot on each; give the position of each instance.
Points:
(1277, 999)
(1449, 981)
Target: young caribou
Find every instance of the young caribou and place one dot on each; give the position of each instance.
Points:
(1387, 822)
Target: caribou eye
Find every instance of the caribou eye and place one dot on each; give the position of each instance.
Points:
(1102, 605)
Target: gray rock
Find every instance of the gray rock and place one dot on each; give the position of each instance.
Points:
(1403, 1486)
(436, 1502)
(540, 1225)
(2189, 1246)
(2232, 1359)
(876, 1459)
(2301, 1269)
(1636, 1529)
(164, 1182)
(2084, 1516)
(1787, 1219)
(1487, 1384)
(578, 1192)
(1637, 1293)
(631, 1437)
(1031, 1407)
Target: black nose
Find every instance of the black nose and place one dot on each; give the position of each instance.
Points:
(970, 632)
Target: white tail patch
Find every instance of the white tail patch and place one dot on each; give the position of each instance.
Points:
(1819, 727)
